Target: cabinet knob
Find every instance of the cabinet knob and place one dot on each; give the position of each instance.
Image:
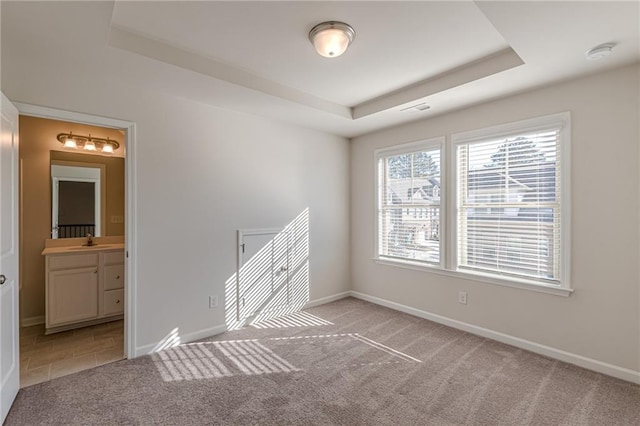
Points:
(117, 277)
(95, 272)
(117, 301)
(3, 279)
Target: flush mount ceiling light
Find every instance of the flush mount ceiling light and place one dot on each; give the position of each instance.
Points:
(599, 52)
(331, 38)
(88, 143)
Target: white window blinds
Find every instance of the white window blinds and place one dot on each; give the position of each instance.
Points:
(509, 200)
(409, 185)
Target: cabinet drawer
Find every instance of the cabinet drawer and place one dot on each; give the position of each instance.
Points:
(113, 302)
(113, 257)
(113, 277)
(73, 261)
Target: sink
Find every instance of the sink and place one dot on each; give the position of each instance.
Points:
(100, 246)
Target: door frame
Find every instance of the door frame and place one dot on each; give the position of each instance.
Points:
(130, 235)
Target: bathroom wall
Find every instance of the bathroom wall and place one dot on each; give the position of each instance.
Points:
(38, 145)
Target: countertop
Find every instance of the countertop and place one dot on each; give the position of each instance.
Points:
(82, 249)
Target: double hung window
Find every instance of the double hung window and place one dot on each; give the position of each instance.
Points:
(409, 202)
(505, 207)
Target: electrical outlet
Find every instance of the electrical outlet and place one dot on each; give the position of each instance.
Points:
(462, 297)
(213, 302)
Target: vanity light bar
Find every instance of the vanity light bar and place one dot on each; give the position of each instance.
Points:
(88, 143)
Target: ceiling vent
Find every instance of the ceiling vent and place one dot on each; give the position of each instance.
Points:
(418, 107)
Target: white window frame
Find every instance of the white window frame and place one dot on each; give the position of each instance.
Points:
(418, 146)
(448, 206)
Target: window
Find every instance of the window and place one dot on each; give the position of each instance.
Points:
(508, 215)
(509, 195)
(409, 207)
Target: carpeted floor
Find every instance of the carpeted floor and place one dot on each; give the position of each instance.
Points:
(345, 363)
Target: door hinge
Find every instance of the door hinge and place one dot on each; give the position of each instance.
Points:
(127, 254)
(242, 245)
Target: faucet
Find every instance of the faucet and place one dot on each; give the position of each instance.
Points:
(89, 240)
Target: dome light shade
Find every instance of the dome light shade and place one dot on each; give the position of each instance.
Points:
(108, 148)
(331, 38)
(90, 146)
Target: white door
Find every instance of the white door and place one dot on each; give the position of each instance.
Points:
(263, 275)
(9, 359)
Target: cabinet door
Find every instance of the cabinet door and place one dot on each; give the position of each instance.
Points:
(73, 295)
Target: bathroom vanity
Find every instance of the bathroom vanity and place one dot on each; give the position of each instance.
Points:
(83, 285)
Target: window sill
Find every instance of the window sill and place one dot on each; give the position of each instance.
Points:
(506, 282)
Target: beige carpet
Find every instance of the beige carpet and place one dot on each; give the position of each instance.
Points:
(345, 363)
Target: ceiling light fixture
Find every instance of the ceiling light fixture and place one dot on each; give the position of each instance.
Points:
(599, 52)
(87, 143)
(331, 38)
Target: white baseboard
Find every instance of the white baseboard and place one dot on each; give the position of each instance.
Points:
(28, 322)
(323, 300)
(571, 358)
(184, 338)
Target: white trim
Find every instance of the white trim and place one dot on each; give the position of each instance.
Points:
(512, 282)
(71, 116)
(28, 322)
(186, 338)
(571, 358)
(509, 129)
(130, 203)
(327, 299)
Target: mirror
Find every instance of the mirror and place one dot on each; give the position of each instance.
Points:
(75, 207)
(87, 195)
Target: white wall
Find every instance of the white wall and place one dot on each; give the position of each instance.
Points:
(202, 172)
(600, 320)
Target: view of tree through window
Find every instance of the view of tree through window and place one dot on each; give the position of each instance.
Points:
(409, 221)
(509, 206)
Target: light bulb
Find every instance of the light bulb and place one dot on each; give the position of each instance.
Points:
(70, 143)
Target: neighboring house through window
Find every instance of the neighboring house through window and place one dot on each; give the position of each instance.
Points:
(509, 215)
(409, 202)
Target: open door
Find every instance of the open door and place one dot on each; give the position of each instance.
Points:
(9, 356)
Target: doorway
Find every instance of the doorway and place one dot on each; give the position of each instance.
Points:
(76, 347)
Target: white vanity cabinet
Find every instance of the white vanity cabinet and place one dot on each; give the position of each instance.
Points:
(83, 288)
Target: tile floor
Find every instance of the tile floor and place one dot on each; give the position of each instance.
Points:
(44, 357)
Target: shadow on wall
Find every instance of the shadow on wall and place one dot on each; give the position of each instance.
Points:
(274, 282)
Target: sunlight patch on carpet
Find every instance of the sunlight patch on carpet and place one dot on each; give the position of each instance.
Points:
(296, 319)
(210, 360)
(228, 358)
